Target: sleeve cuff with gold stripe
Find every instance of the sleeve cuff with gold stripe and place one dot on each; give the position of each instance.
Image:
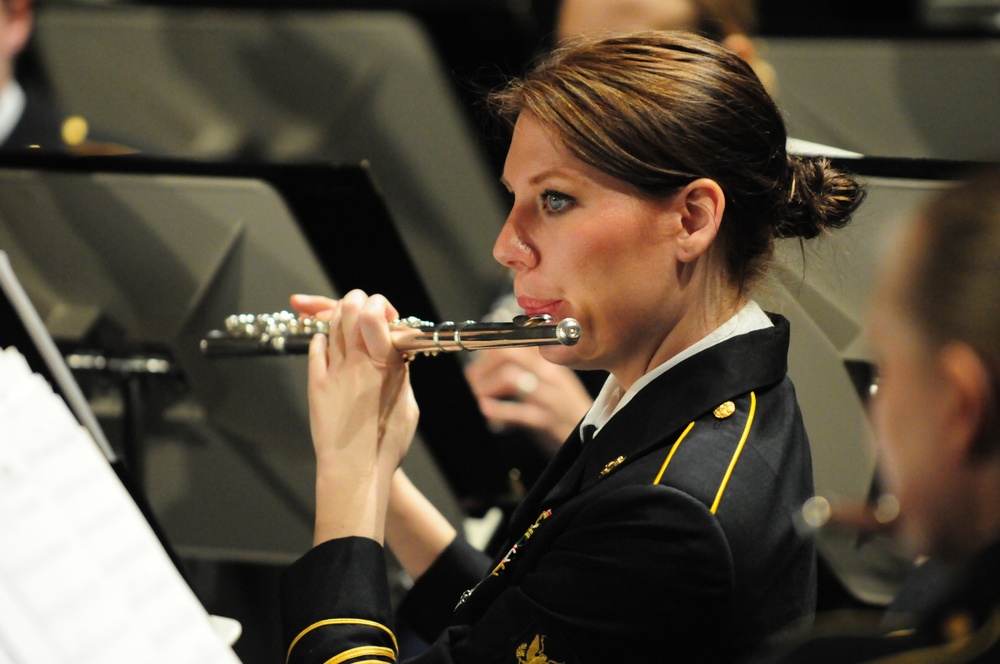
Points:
(335, 605)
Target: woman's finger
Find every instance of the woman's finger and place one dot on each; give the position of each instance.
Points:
(501, 382)
(310, 305)
(351, 306)
(375, 332)
(500, 360)
(317, 367)
(504, 413)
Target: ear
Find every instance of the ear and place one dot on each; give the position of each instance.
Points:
(701, 206)
(969, 394)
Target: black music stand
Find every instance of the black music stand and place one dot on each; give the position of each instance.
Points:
(135, 258)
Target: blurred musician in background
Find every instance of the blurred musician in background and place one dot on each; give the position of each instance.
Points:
(663, 526)
(29, 117)
(936, 332)
(730, 22)
(26, 118)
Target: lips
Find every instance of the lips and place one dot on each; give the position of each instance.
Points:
(536, 307)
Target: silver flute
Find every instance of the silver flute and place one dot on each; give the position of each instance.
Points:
(285, 333)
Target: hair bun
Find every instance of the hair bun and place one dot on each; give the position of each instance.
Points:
(820, 197)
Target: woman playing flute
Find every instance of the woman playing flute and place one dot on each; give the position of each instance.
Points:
(649, 181)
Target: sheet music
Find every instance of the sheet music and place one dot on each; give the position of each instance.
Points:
(81, 571)
(22, 638)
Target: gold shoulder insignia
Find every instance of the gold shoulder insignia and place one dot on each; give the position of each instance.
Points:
(534, 653)
(725, 410)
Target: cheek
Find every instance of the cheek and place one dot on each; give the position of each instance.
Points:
(906, 433)
(624, 259)
(898, 433)
(887, 445)
(602, 272)
(620, 277)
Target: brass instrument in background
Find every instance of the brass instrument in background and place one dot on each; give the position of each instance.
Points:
(284, 333)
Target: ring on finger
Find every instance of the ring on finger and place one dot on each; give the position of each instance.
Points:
(526, 384)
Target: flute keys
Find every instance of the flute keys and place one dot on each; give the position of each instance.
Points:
(412, 321)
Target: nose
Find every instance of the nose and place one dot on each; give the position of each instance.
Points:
(510, 249)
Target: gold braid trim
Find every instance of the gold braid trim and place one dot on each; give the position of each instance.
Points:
(673, 449)
(344, 621)
(362, 651)
(736, 455)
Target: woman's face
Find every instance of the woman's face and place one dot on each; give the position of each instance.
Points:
(908, 410)
(586, 245)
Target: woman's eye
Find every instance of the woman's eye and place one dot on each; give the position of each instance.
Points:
(553, 201)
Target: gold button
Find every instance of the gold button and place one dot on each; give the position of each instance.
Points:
(725, 410)
(74, 130)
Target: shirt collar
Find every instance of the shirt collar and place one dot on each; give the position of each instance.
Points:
(12, 102)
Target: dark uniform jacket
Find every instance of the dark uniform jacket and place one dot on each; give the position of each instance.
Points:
(960, 626)
(39, 125)
(668, 537)
(40, 128)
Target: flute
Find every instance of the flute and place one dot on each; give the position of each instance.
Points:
(284, 333)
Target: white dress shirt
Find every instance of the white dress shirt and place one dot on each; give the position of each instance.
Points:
(12, 103)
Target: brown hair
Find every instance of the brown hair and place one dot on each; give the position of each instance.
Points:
(954, 287)
(661, 109)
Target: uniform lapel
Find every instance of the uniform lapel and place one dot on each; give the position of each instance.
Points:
(692, 388)
(661, 409)
(554, 481)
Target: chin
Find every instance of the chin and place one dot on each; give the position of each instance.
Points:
(569, 357)
(566, 356)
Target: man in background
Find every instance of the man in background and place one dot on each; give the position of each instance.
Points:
(27, 119)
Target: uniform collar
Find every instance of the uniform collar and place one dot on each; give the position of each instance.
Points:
(612, 398)
(694, 387)
(690, 389)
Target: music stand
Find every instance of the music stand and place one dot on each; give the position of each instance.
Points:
(22, 328)
(146, 255)
(47, 612)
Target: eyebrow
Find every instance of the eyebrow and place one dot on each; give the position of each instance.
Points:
(538, 177)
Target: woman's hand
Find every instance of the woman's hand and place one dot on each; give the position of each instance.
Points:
(518, 387)
(362, 412)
